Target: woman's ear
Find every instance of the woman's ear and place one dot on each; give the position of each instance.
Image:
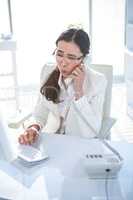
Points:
(82, 61)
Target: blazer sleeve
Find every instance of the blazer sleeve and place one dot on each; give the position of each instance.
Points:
(41, 111)
(91, 105)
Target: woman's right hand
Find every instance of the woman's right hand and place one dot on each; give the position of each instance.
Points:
(28, 137)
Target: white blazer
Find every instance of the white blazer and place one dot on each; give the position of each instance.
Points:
(90, 107)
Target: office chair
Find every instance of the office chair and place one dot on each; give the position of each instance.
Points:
(107, 121)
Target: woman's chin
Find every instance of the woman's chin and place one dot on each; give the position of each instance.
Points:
(65, 75)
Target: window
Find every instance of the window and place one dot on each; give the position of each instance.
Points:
(4, 17)
(37, 24)
(108, 32)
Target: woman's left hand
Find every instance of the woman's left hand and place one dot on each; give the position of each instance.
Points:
(78, 79)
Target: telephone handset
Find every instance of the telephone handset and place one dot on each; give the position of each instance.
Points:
(71, 76)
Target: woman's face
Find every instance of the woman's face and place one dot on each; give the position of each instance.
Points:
(68, 57)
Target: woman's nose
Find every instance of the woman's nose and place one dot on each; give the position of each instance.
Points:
(64, 62)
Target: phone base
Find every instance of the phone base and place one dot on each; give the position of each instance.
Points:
(102, 166)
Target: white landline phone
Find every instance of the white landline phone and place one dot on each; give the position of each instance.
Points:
(101, 165)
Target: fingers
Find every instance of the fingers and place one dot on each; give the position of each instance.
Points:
(32, 137)
(28, 137)
(78, 71)
(21, 139)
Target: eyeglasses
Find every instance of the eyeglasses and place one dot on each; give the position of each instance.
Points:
(70, 57)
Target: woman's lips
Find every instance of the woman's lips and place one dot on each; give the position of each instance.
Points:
(63, 71)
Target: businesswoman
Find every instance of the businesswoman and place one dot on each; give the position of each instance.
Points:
(71, 94)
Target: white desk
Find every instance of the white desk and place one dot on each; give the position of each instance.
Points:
(63, 177)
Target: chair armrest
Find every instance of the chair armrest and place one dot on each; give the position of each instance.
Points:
(16, 123)
(107, 124)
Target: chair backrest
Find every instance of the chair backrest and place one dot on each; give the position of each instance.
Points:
(107, 70)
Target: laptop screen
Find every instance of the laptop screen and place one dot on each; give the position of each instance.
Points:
(7, 150)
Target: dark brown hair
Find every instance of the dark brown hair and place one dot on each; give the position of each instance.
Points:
(51, 89)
